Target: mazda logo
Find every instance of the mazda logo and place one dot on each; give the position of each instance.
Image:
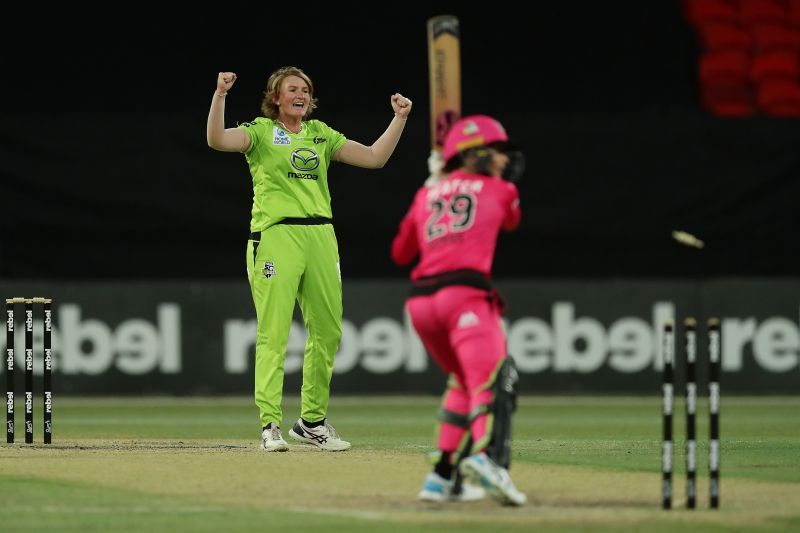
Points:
(304, 159)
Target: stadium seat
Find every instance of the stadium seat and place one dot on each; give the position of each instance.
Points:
(779, 98)
(724, 83)
(750, 56)
(728, 98)
(724, 36)
(775, 37)
(754, 12)
(780, 64)
(725, 65)
(793, 12)
(700, 12)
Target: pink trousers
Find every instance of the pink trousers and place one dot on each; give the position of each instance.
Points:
(461, 329)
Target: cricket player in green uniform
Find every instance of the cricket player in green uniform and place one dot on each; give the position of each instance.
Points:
(292, 253)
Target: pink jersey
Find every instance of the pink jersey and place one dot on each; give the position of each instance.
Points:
(454, 224)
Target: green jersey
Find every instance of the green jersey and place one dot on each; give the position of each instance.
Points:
(290, 170)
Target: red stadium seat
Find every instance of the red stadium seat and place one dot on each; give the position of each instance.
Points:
(750, 59)
(779, 98)
(793, 12)
(724, 83)
(724, 36)
(728, 98)
(780, 64)
(700, 12)
(775, 36)
(754, 12)
(725, 64)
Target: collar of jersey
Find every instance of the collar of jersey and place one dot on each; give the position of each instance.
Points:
(282, 126)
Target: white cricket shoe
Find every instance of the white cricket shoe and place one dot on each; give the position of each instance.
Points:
(322, 436)
(495, 479)
(438, 489)
(272, 440)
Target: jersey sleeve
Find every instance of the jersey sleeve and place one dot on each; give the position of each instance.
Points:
(405, 246)
(256, 130)
(513, 215)
(335, 139)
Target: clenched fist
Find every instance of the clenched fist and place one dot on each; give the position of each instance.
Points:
(225, 81)
(401, 105)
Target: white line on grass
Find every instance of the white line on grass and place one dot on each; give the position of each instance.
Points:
(369, 515)
(116, 509)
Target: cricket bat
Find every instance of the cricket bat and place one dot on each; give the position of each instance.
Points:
(444, 69)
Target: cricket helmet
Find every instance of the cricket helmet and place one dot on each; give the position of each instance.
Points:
(473, 131)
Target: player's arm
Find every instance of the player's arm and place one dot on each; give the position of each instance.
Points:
(217, 136)
(405, 246)
(376, 155)
(513, 214)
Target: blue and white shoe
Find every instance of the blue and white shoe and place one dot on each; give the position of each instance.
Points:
(438, 489)
(495, 479)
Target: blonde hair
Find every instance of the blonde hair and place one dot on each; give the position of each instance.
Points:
(268, 106)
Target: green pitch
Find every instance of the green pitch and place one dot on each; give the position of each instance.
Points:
(586, 463)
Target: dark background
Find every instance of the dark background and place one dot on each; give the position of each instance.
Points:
(105, 171)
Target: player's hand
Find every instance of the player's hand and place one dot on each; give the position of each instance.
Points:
(435, 162)
(225, 81)
(435, 165)
(400, 104)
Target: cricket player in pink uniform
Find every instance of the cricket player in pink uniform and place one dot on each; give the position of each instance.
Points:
(453, 225)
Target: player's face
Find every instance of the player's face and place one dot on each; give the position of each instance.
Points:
(498, 163)
(294, 97)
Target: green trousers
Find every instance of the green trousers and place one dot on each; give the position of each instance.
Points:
(295, 262)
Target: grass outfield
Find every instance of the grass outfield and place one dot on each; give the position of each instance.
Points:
(193, 464)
